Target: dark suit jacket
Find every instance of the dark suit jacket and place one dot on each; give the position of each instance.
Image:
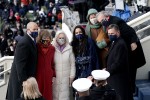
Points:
(23, 67)
(118, 66)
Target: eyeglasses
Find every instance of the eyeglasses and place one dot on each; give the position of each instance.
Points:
(45, 41)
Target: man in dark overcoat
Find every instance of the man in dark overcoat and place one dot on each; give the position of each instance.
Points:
(117, 64)
(135, 51)
(24, 64)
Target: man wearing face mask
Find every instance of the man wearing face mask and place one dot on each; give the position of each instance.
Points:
(118, 65)
(95, 31)
(25, 61)
(135, 51)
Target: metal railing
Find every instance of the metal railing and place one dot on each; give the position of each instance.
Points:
(139, 20)
(142, 73)
(6, 63)
(5, 71)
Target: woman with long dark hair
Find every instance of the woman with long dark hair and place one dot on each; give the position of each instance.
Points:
(86, 58)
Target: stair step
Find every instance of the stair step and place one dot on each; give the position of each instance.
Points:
(144, 93)
(141, 84)
(142, 81)
(135, 98)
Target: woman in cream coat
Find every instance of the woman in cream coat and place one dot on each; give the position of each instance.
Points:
(64, 67)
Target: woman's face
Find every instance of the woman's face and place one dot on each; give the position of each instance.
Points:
(93, 19)
(61, 40)
(61, 36)
(92, 16)
(45, 41)
(78, 31)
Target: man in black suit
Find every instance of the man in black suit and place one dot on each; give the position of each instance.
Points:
(135, 51)
(118, 65)
(25, 61)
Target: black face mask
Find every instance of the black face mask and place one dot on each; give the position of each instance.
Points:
(44, 41)
(105, 22)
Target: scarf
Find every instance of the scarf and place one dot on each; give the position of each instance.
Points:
(89, 26)
(61, 48)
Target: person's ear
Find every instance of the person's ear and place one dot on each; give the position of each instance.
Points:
(118, 33)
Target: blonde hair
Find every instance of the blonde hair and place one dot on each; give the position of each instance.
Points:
(30, 89)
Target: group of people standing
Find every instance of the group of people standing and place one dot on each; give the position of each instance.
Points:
(106, 43)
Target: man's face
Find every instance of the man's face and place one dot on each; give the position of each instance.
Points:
(33, 28)
(100, 18)
(113, 32)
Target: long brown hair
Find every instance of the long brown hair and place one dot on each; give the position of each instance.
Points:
(75, 41)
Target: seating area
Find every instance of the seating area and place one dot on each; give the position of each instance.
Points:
(142, 89)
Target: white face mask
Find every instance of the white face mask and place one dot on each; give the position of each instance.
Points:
(61, 41)
(93, 21)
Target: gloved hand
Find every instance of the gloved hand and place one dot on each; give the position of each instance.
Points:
(133, 46)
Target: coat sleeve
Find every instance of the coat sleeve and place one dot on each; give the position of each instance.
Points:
(72, 64)
(53, 64)
(120, 61)
(94, 56)
(21, 59)
(127, 32)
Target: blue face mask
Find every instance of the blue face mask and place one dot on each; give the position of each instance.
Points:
(113, 37)
(34, 34)
(79, 36)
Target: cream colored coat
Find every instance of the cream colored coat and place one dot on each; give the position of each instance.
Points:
(65, 69)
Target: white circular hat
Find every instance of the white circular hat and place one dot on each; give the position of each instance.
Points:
(82, 84)
(100, 74)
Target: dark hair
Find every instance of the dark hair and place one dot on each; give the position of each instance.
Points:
(113, 26)
(75, 41)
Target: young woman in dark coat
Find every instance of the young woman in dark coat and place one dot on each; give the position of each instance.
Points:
(86, 58)
(135, 51)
